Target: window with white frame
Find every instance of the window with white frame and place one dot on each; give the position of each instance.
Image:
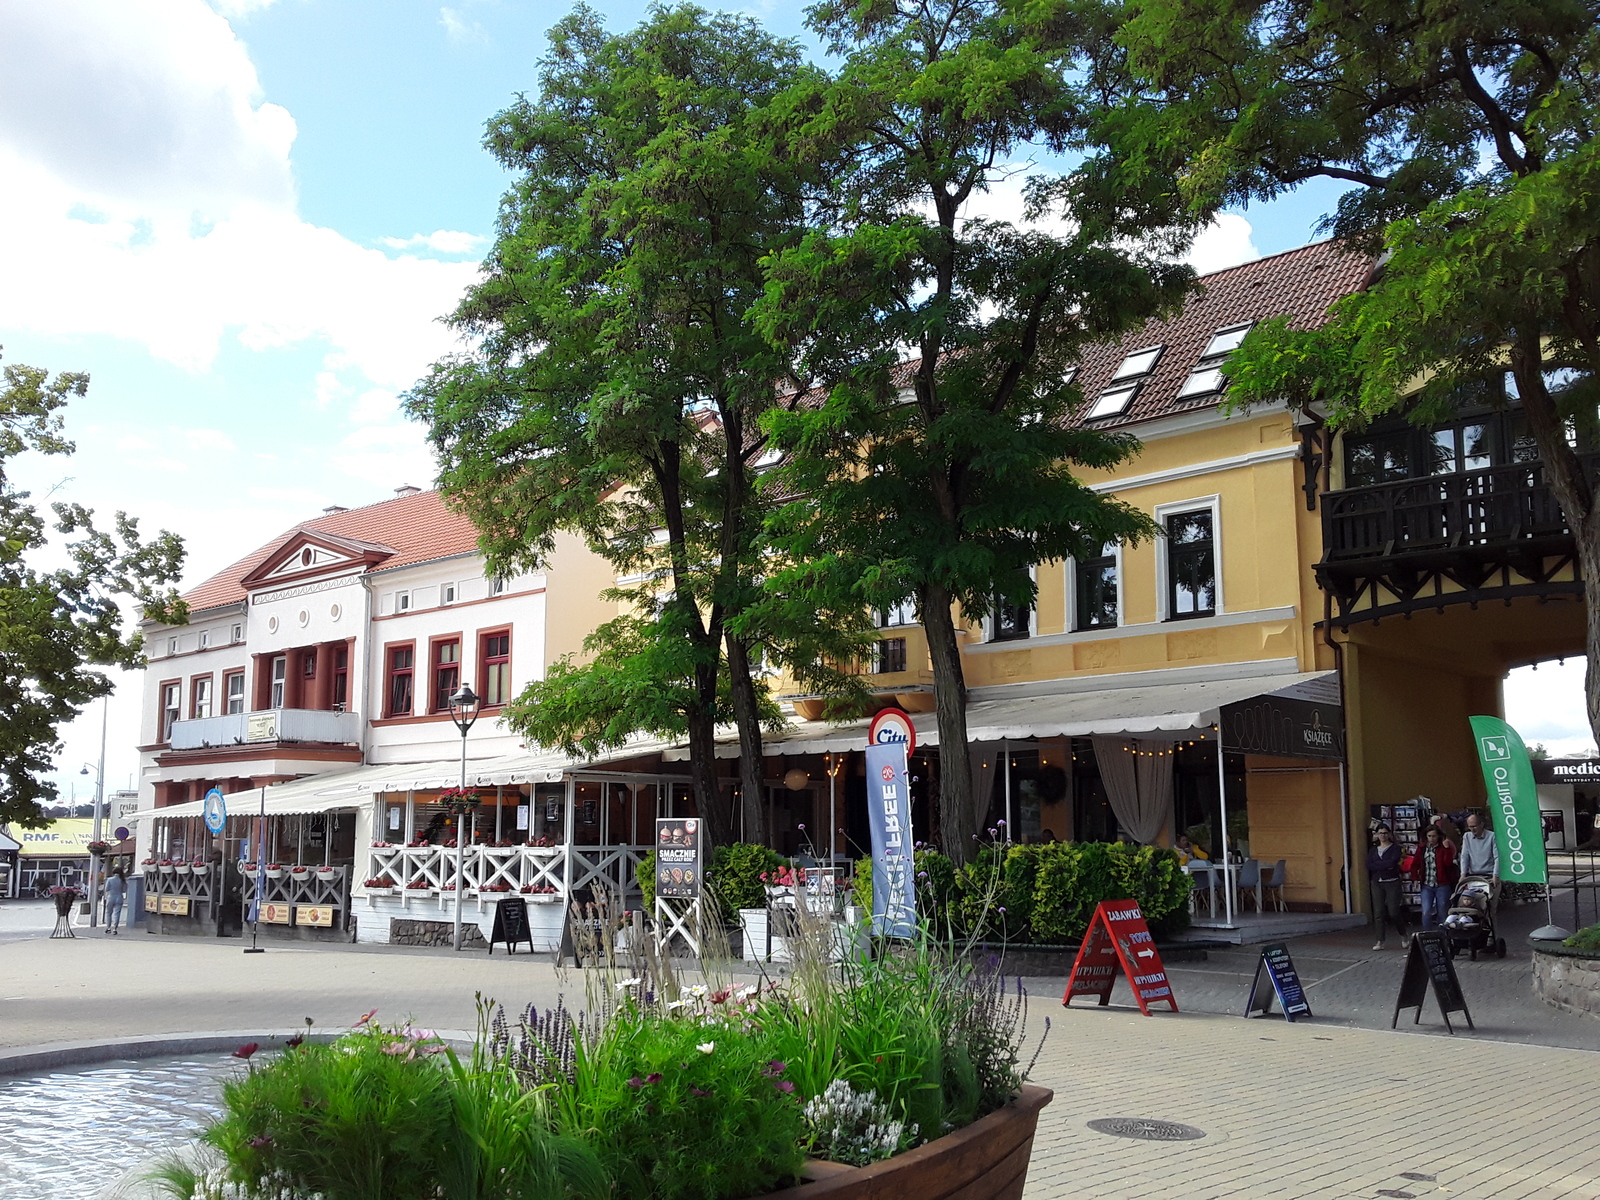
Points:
(447, 593)
(1207, 377)
(200, 699)
(402, 602)
(172, 645)
(280, 675)
(205, 639)
(236, 633)
(1191, 557)
(233, 691)
(497, 585)
(171, 708)
(902, 612)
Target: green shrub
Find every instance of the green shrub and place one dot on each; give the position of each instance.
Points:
(385, 1115)
(1585, 939)
(645, 874)
(861, 884)
(1074, 877)
(682, 1110)
(734, 876)
(996, 891)
(938, 899)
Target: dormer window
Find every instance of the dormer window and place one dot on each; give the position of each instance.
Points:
(1207, 377)
(1112, 401)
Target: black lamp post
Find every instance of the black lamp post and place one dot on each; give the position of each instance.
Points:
(463, 711)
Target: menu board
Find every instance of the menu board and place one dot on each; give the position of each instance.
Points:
(1284, 983)
(511, 924)
(1428, 962)
(678, 873)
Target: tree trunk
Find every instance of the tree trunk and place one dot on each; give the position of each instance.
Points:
(747, 715)
(957, 822)
(703, 772)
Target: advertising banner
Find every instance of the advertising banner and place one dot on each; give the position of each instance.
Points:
(1119, 940)
(894, 885)
(678, 858)
(60, 839)
(1513, 800)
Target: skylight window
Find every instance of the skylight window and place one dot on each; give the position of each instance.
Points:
(1207, 377)
(1138, 364)
(1112, 401)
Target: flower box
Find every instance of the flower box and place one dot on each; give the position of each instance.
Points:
(544, 851)
(327, 873)
(419, 885)
(165, 868)
(274, 871)
(542, 898)
(180, 868)
(988, 1158)
(200, 868)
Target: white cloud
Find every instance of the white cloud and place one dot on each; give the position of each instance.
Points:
(1226, 242)
(208, 441)
(1546, 704)
(240, 8)
(459, 28)
(442, 241)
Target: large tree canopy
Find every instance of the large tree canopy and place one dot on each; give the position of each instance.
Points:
(618, 379)
(57, 625)
(946, 478)
(1469, 130)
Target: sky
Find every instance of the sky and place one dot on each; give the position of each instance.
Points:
(244, 219)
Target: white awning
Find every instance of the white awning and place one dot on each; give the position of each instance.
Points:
(1164, 711)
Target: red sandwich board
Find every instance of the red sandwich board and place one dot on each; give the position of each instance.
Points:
(1119, 939)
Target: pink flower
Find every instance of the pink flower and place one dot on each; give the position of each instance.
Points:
(371, 1012)
(784, 1086)
(246, 1050)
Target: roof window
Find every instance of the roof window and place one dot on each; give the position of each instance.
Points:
(1138, 364)
(1113, 401)
(1207, 377)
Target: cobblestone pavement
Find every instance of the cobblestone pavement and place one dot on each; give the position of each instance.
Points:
(1316, 1109)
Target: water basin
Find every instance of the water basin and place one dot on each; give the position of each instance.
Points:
(69, 1133)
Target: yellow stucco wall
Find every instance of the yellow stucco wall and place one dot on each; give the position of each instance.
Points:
(574, 583)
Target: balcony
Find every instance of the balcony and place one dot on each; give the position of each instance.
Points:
(273, 725)
(1462, 537)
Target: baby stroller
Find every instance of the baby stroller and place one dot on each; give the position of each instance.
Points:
(1470, 922)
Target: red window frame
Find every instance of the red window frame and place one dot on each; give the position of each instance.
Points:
(443, 678)
(394, 672)
(339, 685)
(494, 666)
(227, 678)
(164, 729)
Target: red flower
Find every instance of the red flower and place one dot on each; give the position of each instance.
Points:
(371, 1012)
(246, 1050)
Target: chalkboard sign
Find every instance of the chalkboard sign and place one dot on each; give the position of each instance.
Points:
(1428, 961)
(1285, 981)
(511, 924)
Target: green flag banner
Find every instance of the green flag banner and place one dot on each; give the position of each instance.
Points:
(1513, 800)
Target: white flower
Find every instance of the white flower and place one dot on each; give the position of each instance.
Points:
(673, 1004)
(628, 983)
(706, 1047)
(699, 990)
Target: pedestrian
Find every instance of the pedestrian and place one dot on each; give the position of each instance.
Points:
(1434, 867)
(116, 891)
(1449, 831)
(1383, 878)
(1480, 855)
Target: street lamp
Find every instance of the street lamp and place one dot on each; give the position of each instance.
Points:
(463, 711)
(99, 800)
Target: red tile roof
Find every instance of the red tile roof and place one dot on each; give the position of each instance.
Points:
(1300, 284)
(418, 528)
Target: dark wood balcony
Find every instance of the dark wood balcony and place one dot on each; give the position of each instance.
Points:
(1460, 537)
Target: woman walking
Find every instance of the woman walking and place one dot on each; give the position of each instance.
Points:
(1434, 867)
(116, 890)
(1383, 876)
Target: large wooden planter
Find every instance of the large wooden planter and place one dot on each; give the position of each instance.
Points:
(988, 1160)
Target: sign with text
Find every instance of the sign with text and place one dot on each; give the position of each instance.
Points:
(1284, 983)
(678, 858)
(318, 915)
(891, 726)
(894, 884)
(175, 906)
(511, 925)
(275, 913)
(1118, 939)
(1513, 799)
(1428, 962)
(152, 903)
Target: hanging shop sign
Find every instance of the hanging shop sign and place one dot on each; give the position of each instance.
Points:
(1119, 940)
(1513, 800)
(1428, 963)
(317, 915)
(1283, 981)
(890, 727)
(511, 925)
(678, 858)
(894, 885)
(174, 906)
(275, 913)
(1284, 728)
(65, 838)
(215, 810)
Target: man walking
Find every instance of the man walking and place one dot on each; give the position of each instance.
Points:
(1480, 855)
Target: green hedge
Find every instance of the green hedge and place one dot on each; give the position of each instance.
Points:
(1047, 894)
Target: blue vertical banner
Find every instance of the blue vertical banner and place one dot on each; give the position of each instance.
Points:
(894, 885)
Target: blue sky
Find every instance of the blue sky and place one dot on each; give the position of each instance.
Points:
(244, 218)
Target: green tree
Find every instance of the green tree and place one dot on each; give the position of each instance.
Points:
(617, 381)
(1468, 131)
(57, 625)
(947, 478)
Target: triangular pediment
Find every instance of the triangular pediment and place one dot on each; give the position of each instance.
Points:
(310, 554)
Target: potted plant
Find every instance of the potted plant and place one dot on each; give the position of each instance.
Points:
(540, 893)
(326, 873)
(98, 848)
(180, 866)
(149, 866)
(200, 867)
(458, 802)
(274, 870)
(383, 845)
(419, 885)
(383, 885)
(544, 846)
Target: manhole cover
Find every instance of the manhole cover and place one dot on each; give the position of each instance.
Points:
(1146, 1129)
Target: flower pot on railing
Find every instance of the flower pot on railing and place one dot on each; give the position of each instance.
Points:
(180, 868)
(164, 867)
(380, 887)
(274, 871)
(200, 868)
(327, 874)
(540, 893)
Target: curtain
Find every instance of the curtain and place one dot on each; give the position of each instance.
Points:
(1138, 779)
(984, 760)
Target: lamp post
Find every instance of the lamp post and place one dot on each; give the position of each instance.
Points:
(99, 800)
(463, 711)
